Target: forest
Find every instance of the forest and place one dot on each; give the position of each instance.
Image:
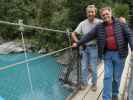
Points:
(53, 14)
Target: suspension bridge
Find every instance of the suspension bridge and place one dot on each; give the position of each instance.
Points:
(73, 66)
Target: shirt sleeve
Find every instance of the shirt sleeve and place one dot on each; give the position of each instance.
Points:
(78, 30)
(88, 37)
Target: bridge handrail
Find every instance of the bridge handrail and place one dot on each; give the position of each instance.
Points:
(32, 59)
(30, 26)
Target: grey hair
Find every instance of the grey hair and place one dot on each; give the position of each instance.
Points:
(105, 8)
(91, 7)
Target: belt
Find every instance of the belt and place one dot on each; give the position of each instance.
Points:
(112, 49)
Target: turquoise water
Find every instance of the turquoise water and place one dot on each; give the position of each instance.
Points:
(14, 84)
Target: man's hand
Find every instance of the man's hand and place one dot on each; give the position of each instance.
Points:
(122, 19)
(132, 54)
(74, 45)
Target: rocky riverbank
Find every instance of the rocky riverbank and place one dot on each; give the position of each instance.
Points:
(17, 47)
(67, 59)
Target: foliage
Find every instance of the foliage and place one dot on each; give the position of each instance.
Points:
(56, 14)
(121, 10)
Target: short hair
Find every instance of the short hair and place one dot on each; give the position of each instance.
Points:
(105, 8)
(91, 7)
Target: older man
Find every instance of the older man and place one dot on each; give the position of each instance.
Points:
(89, 50)
(112, 39)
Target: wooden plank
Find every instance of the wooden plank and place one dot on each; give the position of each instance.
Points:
(124, 79)
(87, 94)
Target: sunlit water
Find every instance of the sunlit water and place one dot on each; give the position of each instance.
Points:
(14, 83)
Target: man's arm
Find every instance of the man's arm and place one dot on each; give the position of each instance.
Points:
(74, 36)
(78, 30)
(88, 37)
(129, 34)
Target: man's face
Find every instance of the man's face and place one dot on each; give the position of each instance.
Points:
(91, 13)
(106, 15)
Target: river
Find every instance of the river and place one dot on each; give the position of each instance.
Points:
(15, 85)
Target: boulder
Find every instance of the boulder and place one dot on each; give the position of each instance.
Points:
(42, 51)
(10, 47)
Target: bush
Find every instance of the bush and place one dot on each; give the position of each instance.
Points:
(121, 10)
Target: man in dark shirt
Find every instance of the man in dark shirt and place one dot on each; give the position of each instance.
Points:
(112, 40)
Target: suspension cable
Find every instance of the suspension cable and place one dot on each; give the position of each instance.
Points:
(30, 26)
(32, 59)
(27, 64)
(21, 28)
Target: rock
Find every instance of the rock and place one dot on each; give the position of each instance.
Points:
(42, 51)
(70, 63)
(64, 58)
(18, 49)
(10, 47)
